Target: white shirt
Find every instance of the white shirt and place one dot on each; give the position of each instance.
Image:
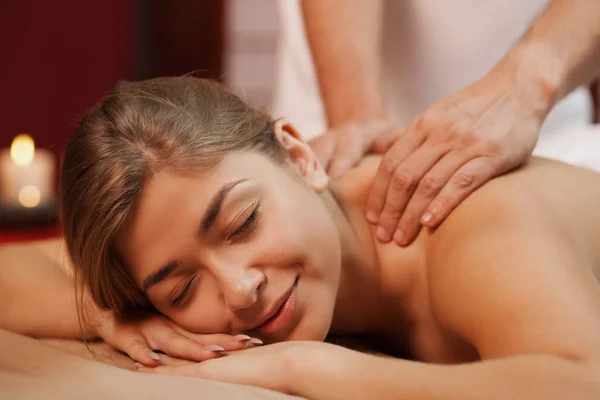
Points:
(431, 49)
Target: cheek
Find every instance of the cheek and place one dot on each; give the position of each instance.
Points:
(310, 228)
(302, 229)
(299, 215)
(312, 232)
(204, 312)
(200, 317)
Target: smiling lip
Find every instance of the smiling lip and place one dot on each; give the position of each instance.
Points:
(282, 314)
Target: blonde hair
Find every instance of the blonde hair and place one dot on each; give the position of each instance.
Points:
(183, 123)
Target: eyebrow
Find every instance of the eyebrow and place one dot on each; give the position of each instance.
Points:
(210, 216)
(212, 212)
(160, 275)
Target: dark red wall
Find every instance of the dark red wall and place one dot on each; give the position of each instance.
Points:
(57, 58)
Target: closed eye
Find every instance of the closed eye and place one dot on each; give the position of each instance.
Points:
(247, 224)
(179, 299)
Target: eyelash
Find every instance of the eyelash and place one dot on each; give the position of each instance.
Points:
(179, 299)
(247, 224)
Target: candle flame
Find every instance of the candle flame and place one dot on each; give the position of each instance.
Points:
(22, 149)
(29, 196)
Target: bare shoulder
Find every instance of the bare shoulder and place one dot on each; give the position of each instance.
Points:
(355, 184)
(53, 249)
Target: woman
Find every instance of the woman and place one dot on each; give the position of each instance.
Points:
(179, 198)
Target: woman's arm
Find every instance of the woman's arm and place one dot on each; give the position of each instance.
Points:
(30, 369)
(321, 373)
(37, 290)
(37, 298)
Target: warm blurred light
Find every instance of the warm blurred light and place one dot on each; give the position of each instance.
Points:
(29, 196)
(22, 149)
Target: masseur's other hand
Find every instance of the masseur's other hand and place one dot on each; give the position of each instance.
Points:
(142, 338)
(341, 148)
(456, 146)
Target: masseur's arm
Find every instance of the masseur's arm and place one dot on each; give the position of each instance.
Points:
(345, 42)
(507, 278)
(37, 290)
(489, 127)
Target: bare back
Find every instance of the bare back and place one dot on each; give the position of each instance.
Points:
(508, 228)
(572, 195)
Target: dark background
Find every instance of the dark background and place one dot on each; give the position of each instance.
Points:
(58, 58)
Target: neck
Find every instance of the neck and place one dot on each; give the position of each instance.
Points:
(370, 296)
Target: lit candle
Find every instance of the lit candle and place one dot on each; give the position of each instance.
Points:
(26, 174)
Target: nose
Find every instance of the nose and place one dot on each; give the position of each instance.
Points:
(241, 287)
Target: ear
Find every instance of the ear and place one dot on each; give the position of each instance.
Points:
(301, 155)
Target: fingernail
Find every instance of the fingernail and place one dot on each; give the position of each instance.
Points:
(256, 341)
(241, 338)
(213, 347)
(153, 355)
(399, 237)
(137, 365)
(427, 218)
(382, 234)
(372, 216)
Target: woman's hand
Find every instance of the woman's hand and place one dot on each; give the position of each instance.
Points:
(276, 366)
(139, 340)
(342, 148)
(456, 146)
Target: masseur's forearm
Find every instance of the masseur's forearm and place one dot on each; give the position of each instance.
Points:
(560, 52)
(524, 377)
(345, 41)
(37, 291)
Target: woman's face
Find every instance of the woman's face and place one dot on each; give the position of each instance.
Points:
(225, 250)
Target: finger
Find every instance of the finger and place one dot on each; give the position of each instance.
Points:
(177, 345)
(429, 186)
(323, 146)
(464, 181)
(407, 144)
(228, 342)
(402, 185)
(139, 350)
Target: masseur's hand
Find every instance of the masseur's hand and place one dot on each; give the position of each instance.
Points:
(341, 148)
(140, 339)
(456, 146)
